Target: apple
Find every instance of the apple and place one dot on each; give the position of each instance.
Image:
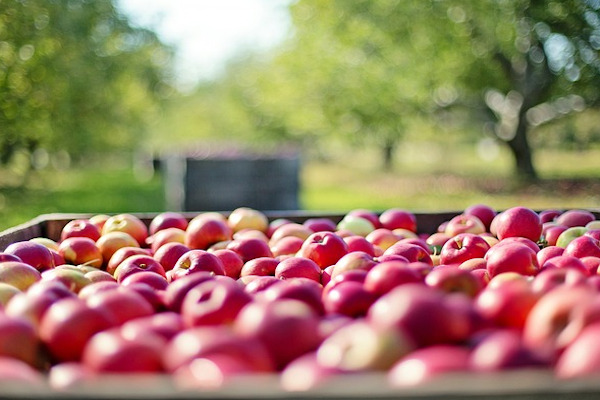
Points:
(250, 248)
(206, 341)
(46, 242)
(168, 254)
(591, 263)
(288, 245)
(99, 220)
(356, 260)
(7, 292)
(210, 373)
(348, 298)
(178, 289)
(202, 232)
(298, 267)
(275, 323)
(547, 253)
(21, 374)
(464, 223)
(549, 215)
(68, 376)
(138, 263)
(80, 228)
(110, 242)
(383, 238)
(152, 279)
(34, 254)
(473, 264)
(518, 221)
(111, 352)
(552, 233)
(276, 223)
(507, 305)
(305, 373)
(70, 276)
(232, 262)
(593, 225)
(551, 278)
(411, 252)
(582, 357)
(167, 219)
(195, 261)
(245, 217)
(122, 304)
(291, 229)
(324, 248)
(369, 215)
(386, 275)
(359, 243)
(398, 218)
(214, 302)
(18, 339)
(306, 290)
(99, 276)
(127, 223)
(485, 213)
(9, 257)
(422, 313)
(569, 234)
(80, 250)
(503, 349)
(19, 274)
(68, 324)
(560, 262)
(121, 254)
(511, 257)
(583, 246)
(519, 240)
(251, 233)
(356, 225)
(164, 236)
(463, 247)
(166, 325)
(436, 241)
(450, 278)
(571, 218)
(260, 266)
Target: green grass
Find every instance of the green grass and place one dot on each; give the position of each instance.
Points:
(424, 179)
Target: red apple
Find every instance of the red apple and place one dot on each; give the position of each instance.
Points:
(261, 266)
(138, 263)
(547, 253)
(473, 264)
(397, 218)
(552, 233)
(411, 252)
(214, 302)
(178, 289)
(324, 248)
(80, 227)
(571, 218)
(67, 326)
(274, 323)
(80, 250)
(250, 248)
(582, 357)
(34, 254)
(583, 246)
(168, 254)
(463, 247)
(356, 260)
(348, 298)
(165, 236)
(422, 365)
(167, 219)
(560, 262)
(202, 232)
(591, 264)
(303, 289)
(18, 339)
(518, 221)
(111, 352)
(122, 304)
(152, 279)
(232, 262)
(166, 324)
(70, 276)
(16, 372)
(551, 278)
(464, 223)
(195, 261)
(436, 241)
(121, 254)
(288, 245)
(127, 223)
(319, 225)
(298, 267)
(385, 276)
(503, 349)
(549, 215)
(450, 278)
(485, 213)
(511, 257)
(359, 243)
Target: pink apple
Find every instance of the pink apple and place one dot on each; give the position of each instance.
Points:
(178, 289)
(164, 236)
(324, 248)
(547, 253)
(520, 240)
(591, 264)
(195, 261)
(563, 261)
(34, 254)
(16, 372)
(18, 339)
(80, 227)
(422, 365)
(166, 324)
(463, 247)
(571, 218)
(464, 223)
(260, 283)
(583, 246)
(549, 215)
(292, 229)
(511, 257)
(203, 231)
(306, 373)
(305, 290)
(450, 278)
(503, 349)
(232, 262)
(276, 223)
(138, 263)
(152, 279)
(518, 221)
(582, 357)
(167, 219)
(274, 323)
(411, 252)
(385, 276)
(250, 248)
(122, 304)
(67, 326)
(551, 278)
(398, 218)
(81, 250)
(348, 298)
(214, 302)
(356, 260)
(127, 223)
(359, 243)
(121, 254)
(485, 213)
(473, 264)
(260, 266)
(288, 245)
(319, 225)
(298, 267)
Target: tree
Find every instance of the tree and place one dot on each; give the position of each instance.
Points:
(75, 76)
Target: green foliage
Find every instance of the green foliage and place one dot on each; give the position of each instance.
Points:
(75, 76)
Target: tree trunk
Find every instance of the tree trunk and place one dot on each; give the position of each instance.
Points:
(522, 152)
(388, 154)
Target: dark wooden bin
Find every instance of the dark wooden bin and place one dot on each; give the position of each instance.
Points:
(519, 384)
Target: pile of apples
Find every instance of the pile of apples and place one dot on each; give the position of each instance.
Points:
(217, 297)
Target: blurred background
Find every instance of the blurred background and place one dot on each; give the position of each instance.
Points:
(140, 106)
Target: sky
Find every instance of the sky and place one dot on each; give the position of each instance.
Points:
(206, 33)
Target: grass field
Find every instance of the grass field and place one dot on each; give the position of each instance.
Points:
(425, 179)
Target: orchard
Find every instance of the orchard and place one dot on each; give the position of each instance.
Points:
(203, 302)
